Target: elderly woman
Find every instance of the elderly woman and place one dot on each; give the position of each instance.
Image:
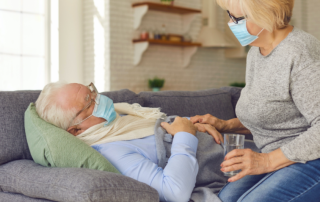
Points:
(279, 106)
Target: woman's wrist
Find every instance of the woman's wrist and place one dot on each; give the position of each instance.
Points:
(227, 126)
(278, 160)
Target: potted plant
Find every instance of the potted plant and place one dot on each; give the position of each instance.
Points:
(156, 84)
(167, 2)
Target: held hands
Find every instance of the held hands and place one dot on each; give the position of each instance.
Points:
(250, 163)
(209, 119)
(180, 125)
(210, 124)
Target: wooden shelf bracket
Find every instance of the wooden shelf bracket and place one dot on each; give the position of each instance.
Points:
(139, 12)
(187, 53)
(187, 19)
(139, 49)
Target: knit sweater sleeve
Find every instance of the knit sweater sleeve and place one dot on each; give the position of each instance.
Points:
(305, 92)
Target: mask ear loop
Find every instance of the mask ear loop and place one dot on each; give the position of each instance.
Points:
(83, 120)
(260, 32)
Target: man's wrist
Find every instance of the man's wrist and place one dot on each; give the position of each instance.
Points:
(186, 139)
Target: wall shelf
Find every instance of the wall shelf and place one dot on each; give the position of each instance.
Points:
(187, 14)
(188, 49)
(166, 8)
(166, 42)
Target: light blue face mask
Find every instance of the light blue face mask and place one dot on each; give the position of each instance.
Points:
(103, 108)
(241, 32)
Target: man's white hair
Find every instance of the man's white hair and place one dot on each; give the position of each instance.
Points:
(50, 110)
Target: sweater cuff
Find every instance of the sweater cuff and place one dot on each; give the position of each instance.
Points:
(288, 154)
(186, 139)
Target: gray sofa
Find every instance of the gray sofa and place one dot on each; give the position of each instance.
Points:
(23, 180)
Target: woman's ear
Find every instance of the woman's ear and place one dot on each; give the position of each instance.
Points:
(73, 130)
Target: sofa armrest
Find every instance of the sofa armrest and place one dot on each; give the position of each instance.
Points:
(71, 184)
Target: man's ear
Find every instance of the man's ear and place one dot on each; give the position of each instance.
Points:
(73, 130)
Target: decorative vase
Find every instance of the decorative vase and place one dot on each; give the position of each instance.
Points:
(155, 89)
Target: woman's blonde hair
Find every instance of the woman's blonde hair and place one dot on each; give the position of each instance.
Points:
(268, 14)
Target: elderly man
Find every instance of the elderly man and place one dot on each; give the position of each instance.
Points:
(128, 141)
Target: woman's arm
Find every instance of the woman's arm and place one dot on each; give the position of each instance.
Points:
(222, 126)
(234, 126)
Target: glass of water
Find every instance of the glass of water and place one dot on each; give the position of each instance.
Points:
(231, 142)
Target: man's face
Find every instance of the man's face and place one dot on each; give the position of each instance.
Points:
(78, 96)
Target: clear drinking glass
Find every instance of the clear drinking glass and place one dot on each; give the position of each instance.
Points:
(231, 142)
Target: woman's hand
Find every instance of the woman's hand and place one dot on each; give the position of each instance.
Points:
(246, 160)
(218, 124)
(211, 130)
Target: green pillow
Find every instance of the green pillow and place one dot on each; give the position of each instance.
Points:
(54, 147)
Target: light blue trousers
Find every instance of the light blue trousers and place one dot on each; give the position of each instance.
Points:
(296, 183)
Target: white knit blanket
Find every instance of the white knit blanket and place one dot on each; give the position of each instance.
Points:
(138, 123)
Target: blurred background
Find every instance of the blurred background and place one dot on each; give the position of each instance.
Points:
(124, 43)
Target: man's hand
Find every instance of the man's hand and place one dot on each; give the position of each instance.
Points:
(179, 125)
(211, 130)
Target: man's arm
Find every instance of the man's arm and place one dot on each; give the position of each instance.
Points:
(175, 182)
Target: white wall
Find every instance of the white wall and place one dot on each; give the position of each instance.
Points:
(208, 68)
(70, 41)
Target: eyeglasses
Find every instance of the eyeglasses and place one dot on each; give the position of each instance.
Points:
(94, 92)
(234, 19)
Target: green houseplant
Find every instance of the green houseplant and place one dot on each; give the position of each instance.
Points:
(167, 2)
(156, 84)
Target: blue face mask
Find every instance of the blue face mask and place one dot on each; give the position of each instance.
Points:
(104, 108)
(241, 32)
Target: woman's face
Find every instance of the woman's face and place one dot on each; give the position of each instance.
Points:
(252, 28)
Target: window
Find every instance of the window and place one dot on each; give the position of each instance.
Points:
(24, 44)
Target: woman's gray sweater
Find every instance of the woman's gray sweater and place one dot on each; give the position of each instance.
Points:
(280, 104)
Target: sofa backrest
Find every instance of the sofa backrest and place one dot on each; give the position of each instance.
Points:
(216, 102)
(13, 143)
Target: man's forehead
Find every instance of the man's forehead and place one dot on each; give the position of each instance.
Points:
(71, 94)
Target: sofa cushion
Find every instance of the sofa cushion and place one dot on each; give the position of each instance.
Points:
(124, 95)
(190, 103)
(54, 147)
(13, 143)
(72, 184)
(235, 93)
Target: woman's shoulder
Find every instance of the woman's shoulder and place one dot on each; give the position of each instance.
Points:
(302, 42)
(303, 48)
